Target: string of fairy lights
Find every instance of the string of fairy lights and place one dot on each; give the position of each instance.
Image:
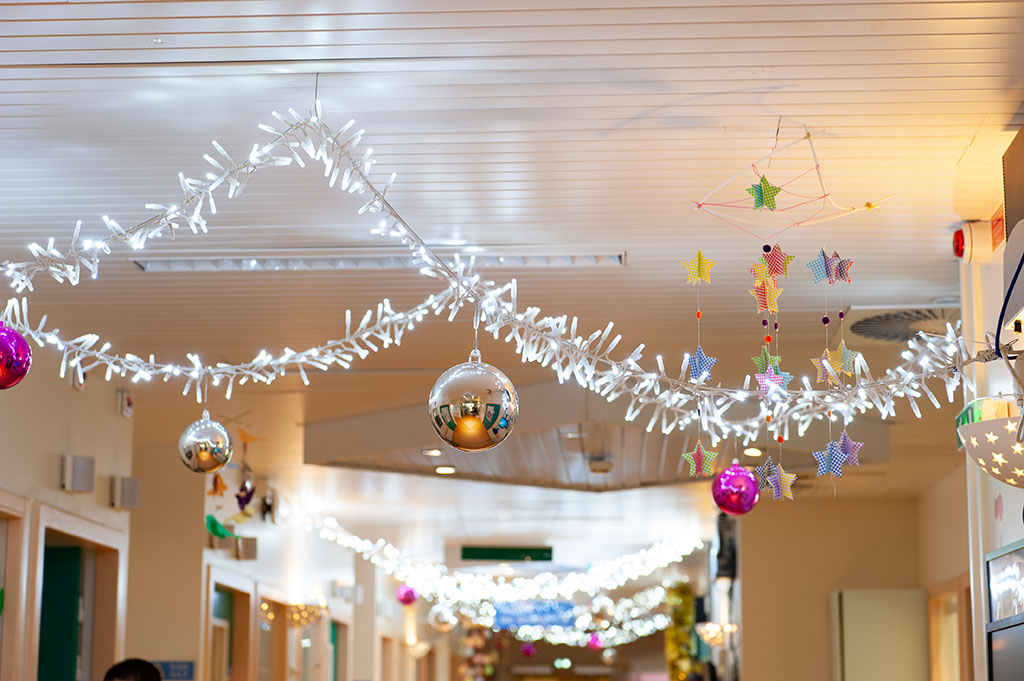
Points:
(672, 401)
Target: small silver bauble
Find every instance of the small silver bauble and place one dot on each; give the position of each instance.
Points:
(473, 406)
(608, 656)
(205, 446)
(442, 619)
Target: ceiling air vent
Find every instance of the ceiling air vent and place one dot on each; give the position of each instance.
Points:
(901, 325)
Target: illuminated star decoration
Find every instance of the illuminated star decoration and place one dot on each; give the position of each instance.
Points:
(701, 364)
(702, 462)
(764, 194)
(765, 360)
(831, 460)
(764, 472)
(766, 293)
(849, 448)
(698, 269)
(781, 483)
(770, 381)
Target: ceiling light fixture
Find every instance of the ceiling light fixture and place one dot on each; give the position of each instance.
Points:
(326, 259)
(445, 470)
(752, 451)
(431, 452)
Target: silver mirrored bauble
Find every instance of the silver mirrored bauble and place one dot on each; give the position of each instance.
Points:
(473, 406)
(205, 446)
(442, 619)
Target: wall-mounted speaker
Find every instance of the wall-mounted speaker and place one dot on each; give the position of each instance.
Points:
(125, 493)
(246, 548)
(77, 473)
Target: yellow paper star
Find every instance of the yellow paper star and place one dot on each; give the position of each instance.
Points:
(760, 271)
(835, 359)
(766, 293)
(992, 437)
(999, 459)
(698, 268)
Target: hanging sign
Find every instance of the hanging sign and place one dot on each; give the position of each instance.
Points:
(540, 613)
(177, 670)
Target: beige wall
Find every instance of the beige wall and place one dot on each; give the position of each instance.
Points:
(943, 548)
(42, 418)
(793, 555)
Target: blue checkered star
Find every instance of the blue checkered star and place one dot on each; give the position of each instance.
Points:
(823, 268)
(831, 460)
(764, 472)
(701, 363)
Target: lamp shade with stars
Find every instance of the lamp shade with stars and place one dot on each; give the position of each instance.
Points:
(992, 444)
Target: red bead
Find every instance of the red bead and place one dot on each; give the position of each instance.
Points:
(780, 439)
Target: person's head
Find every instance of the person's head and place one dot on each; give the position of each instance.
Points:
(133, 669)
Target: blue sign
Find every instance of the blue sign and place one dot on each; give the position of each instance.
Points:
(541, 613)
(177, 670)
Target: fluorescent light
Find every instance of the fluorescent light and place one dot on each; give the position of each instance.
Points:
(431, 452)
(445, 470)
(752, 451)
(326, 259)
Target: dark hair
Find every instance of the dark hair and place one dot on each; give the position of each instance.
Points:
(133, 669)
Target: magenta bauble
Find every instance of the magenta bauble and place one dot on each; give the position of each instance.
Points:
(528, 650)
(594, 642)
(735, 490)
(15, 357)
(406, 595)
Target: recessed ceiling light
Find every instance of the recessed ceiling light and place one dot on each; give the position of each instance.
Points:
(431, 452)
(445, 470)
(572, 436)
(752, 451)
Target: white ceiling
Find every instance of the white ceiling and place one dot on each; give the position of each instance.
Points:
(586, 127)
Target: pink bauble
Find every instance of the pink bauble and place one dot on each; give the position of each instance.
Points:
(594, 643)
(406, 595)
(528, 650)
(15, 357)
(735, 490)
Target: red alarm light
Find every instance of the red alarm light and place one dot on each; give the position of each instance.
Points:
(958, 243)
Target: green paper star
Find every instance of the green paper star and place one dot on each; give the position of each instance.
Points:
(765, 360)
(764, 194)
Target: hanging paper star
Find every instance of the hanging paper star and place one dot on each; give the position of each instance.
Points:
(850, 448)
(842, 268)
(831, 460)
(701, 363)
(770, 378)
(781, 483)
(764, 194)
(823, 268)
(766, 293)
(764, 472)
(759, 270)
(778, 262)
(820, 363)
(847, 358)
(765, 360)
(702, 462)
(698, 268)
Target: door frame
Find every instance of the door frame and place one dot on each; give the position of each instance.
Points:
(244, 641)
(15, 509)
(111, 586)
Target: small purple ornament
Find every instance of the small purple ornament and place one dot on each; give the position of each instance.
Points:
(735, 490)
(594, 642)
(528, 650)
(15, 357)
(406, 595)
